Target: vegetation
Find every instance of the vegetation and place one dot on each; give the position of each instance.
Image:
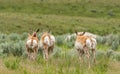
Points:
(63, 60)
(62, 17)
(99, 17)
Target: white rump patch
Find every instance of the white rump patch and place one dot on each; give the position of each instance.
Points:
(91, 43)
(49, 41)
(34, 44)
(78, 45)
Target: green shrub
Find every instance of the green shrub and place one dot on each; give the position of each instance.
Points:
(14, 37)
(18, 48)
(110, 39)
(101, 40)
(57, 52)
(115, 45)
(60, 40)
(115, 56)
(3, 38)
(24, 36)
(72, 53)
(109, 53)
(6, 47)
(69, 44)
(100, 54)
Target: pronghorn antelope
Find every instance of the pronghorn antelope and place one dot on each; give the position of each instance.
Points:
(32, 45)
(47, 42)
(73, 36)
(85, 44)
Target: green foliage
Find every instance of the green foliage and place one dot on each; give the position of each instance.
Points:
(110, 40)
(72, 8)
(57, 52)
(89, 15)
(12, 44)
(102, 66)
(18, 48)
(23, 36)
(101, 40)
(61, 16)
(60, 40)
(12, 63)
(100, 54)
(115, 45)
(113, 55)
(116, 56)
(3, 37)
(14, 37)
(5, 47)
(72, 53)
(109, 53)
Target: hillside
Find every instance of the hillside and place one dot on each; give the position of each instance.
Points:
(61, 16)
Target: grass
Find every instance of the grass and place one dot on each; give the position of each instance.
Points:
(64, 7)
(18, 17)
(83, 15)
(61, 65)
(20, 23)
(64, 59)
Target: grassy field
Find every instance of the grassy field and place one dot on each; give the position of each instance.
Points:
(61, 16)
(64, 60)
(18, 17)
(61, 65)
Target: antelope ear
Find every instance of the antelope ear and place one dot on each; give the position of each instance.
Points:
(37, 30)
(83, 33)
(76, 32)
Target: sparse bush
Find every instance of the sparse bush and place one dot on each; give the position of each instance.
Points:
(3, 38)
(115, 56)
(6, 47)
(24, 36)
(60, 40)
(115, 45)
(100, 54)
(57, 52)
(24, 54)
(14, 37)
(72, 53)
(40, 51)
(70, 44)
(110, 39)
(18, 48)
(101, 40)
(109, 53)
